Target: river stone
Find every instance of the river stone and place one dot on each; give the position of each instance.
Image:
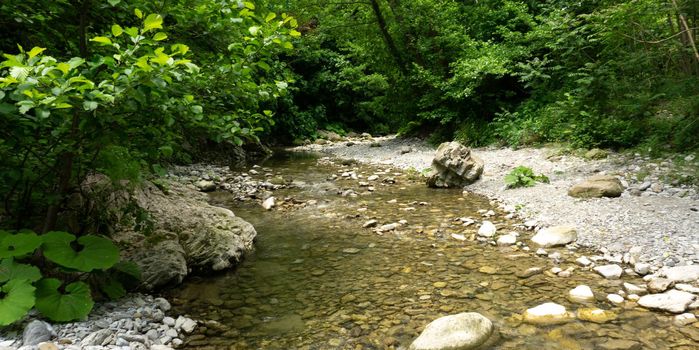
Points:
(548, 313)
(596, 315)
(269, 203)
(206, 185)
(487, 229)
(596, 153)
(508, 239)
(596, 187)
(581, 294)
(555, 236)
(462, 331)
(684, 319)
(611, 271)
(687, 273)
(659, 285)
(674, 301)
(37, 332)
(454, 166)
(98, 338)
(615, 299)
(619, 344)
(163, 264)
(634, 289)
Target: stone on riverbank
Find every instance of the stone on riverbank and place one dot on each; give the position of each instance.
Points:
(37, 332)
(674, 301)
(464, 331)
(596, 187)
(548, 313)
(454, 166)
(611, 271)
(687, 273)
(555, 236)
(581, 294)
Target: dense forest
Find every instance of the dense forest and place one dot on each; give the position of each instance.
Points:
(126, 87)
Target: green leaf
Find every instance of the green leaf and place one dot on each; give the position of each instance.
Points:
(270, 17)
(253, 30)
(18, 300)
(159, 36)
(128, 268)
(90, 105)
(114, 2)
(63, 67)
(19, 244)
(75, 304)
(111, 287)
(138, 13)
(93, 252)
(117, 30)
(196, 109)
(166, 151)
(102, 40)
(249, 5)
(294, 33)
(153, 21)
(35, 51)
(264, 65)
(10, 270)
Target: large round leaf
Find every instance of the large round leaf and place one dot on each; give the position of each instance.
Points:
(73, 304)
(10, 270)
(17, 299)
(92, 252)
(19, 244)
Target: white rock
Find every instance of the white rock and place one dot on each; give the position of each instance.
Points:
(269, 203)
(188, 325)
(674, 301)
(542, 252)
(641, 268)
(581, 294)
(684, 319)
(615, 299)
(487, 229)
(548, 313)
(370, 223)
(461, 331)
(508, 239)
(555, 236)
(687, 288)
(458, 237)
(583, 261)
(373, 178)
(168, 321)
(634, 289)
(687, 273)
(609, 271)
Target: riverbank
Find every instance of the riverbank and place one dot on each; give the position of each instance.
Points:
(657, 215)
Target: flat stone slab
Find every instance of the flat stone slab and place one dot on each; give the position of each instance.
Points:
(555, 236)
(674, 301)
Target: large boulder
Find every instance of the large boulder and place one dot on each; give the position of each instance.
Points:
(169, 230)
(674, 301)
(463, 331)
(555, 236)
(454, 166)
(597, 186)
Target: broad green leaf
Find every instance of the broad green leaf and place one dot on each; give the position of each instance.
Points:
(102, 40)
(294, 33)
(254, 30)
(63, 67)
(35, 51)
(270, 16)
(196, 109)
(18, 299)
(92, 252)
(128, 268)
(117, 30)
(153, 21)
(111, 287)
(114, 2)
(264, 65)
(288, 45)
(19, 73)
(159, 36)
(10, 270)
(75, 304)
(19, 244)
(131, 31)
(138, 13)
(166, 151)
(249, 5)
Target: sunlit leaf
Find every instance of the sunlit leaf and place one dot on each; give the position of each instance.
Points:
(117, 30)
(102, 40)
(153, 21)
(35, 51)
(159, 36)
(138, 13)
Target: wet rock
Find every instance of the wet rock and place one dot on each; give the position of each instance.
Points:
(388, 227)
(548, 313)
(641, 268)
(634, 289)
(687, 273)
(596, 315)
(583, 261)
(555, 236)
(269, 203)
(581, 294)
(659, 285)
(615, 299)
(596, 187)
(674, 301)
(206, 185)
(37, 332)
(619, 344)
(487, 229)
(684, 319)
(611, 271)
(350, 250)
(454, 166)
(529, 272)
(461, 331)
(508, 239)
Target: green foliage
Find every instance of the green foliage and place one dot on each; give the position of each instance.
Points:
(60, 292)
(523, 176)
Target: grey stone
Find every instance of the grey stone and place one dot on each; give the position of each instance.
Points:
(659, 285)
(688, 273)
(674, 301)
(206, 185)
(454, 166)
(461, 331)
(98, 338)
(36, 332)
(611, 271)
(597, 186)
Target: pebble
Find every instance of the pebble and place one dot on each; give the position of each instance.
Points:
(487, 229)
(581, 294)
(615, 299)
(583, 261)
(609, 271)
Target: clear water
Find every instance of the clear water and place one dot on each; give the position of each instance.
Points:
(318, 280)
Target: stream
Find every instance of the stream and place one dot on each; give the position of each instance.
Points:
(319, 280)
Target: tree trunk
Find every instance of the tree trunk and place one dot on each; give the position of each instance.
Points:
(388, 39)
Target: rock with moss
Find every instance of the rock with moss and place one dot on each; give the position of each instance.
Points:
(596, 153)
(454, 166)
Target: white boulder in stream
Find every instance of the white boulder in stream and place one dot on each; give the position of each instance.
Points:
(674, 301)
(555, 236)
(687, 273)
(611, 271)
(548, 313)
(487, 229)
(581, 294)
(466, 330)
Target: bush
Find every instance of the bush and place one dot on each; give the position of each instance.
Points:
(522, 176)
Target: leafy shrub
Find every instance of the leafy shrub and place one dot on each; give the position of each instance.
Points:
(523, 176)
(62, 291)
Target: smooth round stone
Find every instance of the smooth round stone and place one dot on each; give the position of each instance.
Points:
(548, 313)
(581, 294)
(464, 331)
(615, 299)
(439, 284)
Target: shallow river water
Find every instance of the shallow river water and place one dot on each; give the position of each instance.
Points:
(319, 280)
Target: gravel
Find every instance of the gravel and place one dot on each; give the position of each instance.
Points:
(656, 215)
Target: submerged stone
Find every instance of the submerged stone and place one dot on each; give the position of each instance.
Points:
(548, 313)
(463, 331)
